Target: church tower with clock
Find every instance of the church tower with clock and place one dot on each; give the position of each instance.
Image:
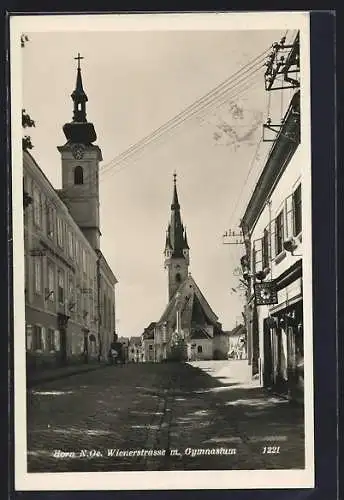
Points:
(80, 167)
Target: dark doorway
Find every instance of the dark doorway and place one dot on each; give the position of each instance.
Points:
(62, 321)
(63, 346)
(268, 371)
(86, 346)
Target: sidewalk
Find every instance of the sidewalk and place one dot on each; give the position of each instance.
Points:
(51, 374)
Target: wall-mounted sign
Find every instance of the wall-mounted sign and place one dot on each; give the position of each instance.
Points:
(265, 293)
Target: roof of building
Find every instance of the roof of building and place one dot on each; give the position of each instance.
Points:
(148, 333)
(195, 310)
(238, 330)
(135, 340)
(199, 333)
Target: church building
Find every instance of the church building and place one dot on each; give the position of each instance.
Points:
(188, 328)
(69, 286)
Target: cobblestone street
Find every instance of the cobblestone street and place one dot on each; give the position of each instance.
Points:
(204, 415)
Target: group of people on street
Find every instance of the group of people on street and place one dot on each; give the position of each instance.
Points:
(239, 350)
(116, 352)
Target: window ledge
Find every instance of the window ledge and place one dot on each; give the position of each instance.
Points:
(280, 257)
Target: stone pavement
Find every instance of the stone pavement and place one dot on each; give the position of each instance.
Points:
(205, 415)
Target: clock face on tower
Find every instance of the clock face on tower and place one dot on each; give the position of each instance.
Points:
(78, 151)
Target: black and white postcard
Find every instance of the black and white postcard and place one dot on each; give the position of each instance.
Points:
(161, 186)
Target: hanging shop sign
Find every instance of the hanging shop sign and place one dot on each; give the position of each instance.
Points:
(265, 293)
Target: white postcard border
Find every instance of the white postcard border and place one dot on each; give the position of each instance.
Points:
(148, 480)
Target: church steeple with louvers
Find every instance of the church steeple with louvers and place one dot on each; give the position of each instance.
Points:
(176, 246)
(80, 166)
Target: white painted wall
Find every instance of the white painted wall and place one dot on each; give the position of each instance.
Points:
(286, 185)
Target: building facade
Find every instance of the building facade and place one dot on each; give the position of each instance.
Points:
(237, 343)
(69, 287)
(135, 354)
(147, 344)
(272, 266)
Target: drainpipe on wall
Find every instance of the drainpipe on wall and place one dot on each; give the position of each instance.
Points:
(98, 306)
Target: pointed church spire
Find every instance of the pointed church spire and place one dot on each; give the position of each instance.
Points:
(79, 96)
(175, 203)
(79, 130)
(176, 229)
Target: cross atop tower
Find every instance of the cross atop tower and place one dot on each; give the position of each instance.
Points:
(174, 177)
(78, 59)
(84, 133)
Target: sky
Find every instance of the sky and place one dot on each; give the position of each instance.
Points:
(136, 82)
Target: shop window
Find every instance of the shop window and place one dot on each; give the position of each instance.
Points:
(297, 211)
(29, 337)
(78, 175)
(51, 339)
(279, 233)
(37, 340)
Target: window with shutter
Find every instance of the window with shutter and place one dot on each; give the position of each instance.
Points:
(38, 275)
(297, 211)
(60, 287)
(50, 222)
(273, 239)
(289, 216)
(37, 207)
(51, 282)
(279, 233)
(258, 255)
(266, 249)
(59, 232)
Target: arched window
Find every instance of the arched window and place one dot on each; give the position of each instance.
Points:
(199, 348)
(178, 278)
(78, 175)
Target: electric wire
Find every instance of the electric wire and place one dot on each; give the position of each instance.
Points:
(218, 91)
(121, 167)
(139, 146)
(214, 104)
